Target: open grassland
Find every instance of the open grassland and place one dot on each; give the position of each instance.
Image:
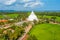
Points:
(12, 15)
(46, 31)
(9, 15)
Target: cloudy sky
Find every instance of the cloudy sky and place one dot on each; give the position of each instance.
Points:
(23, 5)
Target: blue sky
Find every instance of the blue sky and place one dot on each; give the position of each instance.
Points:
(36, 5)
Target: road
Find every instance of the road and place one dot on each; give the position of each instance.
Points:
(25, 34)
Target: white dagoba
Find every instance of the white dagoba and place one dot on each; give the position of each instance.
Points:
(32, 17)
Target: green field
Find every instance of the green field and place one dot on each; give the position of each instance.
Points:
(46, 31)
(9, 15)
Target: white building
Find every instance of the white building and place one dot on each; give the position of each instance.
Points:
(32, 17)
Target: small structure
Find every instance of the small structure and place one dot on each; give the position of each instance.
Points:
(3, 20)
(10, 19)
(32, 17)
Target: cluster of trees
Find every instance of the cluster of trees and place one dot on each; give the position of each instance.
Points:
(48, 20)
(48, 13)
(12, 33)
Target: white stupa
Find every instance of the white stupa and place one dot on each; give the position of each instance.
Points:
(32, 17)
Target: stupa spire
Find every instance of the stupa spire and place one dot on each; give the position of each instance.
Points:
(32, 17)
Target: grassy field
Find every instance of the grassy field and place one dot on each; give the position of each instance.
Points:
(12, 15)
(9, 15)
(46, 31)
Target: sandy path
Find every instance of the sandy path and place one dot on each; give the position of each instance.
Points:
(25, 36)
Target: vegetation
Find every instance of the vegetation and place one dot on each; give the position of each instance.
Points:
(23, 15)
(46, 31)
(32, 37)
(42, 30)
(12, 33)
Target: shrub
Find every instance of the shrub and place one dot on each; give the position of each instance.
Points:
(24, 24)
(32, 37)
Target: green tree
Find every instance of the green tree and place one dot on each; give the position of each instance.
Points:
(53, 19)
(25, 24)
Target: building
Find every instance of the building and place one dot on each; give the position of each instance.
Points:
(32, 17)
(3, 20)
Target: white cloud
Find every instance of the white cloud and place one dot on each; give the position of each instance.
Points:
(9, 2)
(33, 4)
(27, 0)
(23, 3)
